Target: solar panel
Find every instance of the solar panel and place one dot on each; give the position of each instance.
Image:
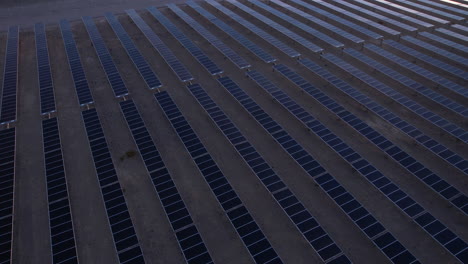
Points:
(446, 7)
(317, 21)
(460, 27)
(382, 18)
(7, 178)
(217, 43)
(125, 239)
(179, 69)
(271, 181)
(454, 35)
(257, 244)
(10, 77)
(449, 44)
(409, 83)
(348, 24)
(354, 16)
(437, 148)
(414, 167)
(283, 30)
(60, 217)
(422, 14)
(460, 60)
(201, 57)
(241, 39)
(405, 203)
(402, 16)
(409, 104)
(428, 59)
(138, 60)
(315, 33)
(266, 36)
(79, 78)
(112, 74)
(441, 81)
(46, 86)
(355, 211)
(177, 213)
(433, 10)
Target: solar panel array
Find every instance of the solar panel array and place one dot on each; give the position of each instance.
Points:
(187, 234)
(46, 86)
(412, 165)
(290, 34)
(298, 214)
(132, 51)
(113, 75)
(266, 36)
(258, 245)
(254, 48)
(367, 170)
(355, 211)
(60, 216)
(7, 179)
(10, 77)
(209, 65)
(179, 69)
(408, 82)
(411, 105)
(79, 77)
(125, 239)
(223, 48)
(315, 33)
(387, 156)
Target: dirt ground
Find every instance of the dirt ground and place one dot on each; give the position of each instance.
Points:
(157, 240)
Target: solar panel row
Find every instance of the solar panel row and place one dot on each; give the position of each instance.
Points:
(454, 35)
(266, 36)
(113, 75)
(297, 213)
(409, 104)
(348, 24)
(138, 60)
(441, 81)
(60, 217)
(125, 239)
(10, 77)
(401, 15)
(189, 238)
(217, 43)
(355, 211)
(442, 6)
(444, 41)
(357, 17)
(439, 149)
(414, 167)
(283, 30)
(315, 33)
(241, 39)
(444, 53)
(79, 78)
(257, 244)
(179, 69)
(433, 10)
(7, 178)
(456, 246)
(201, 57)
(46, 88)
(419, 13)
(384, 19)
(428, 59)
(409, 83)
(336, 30)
